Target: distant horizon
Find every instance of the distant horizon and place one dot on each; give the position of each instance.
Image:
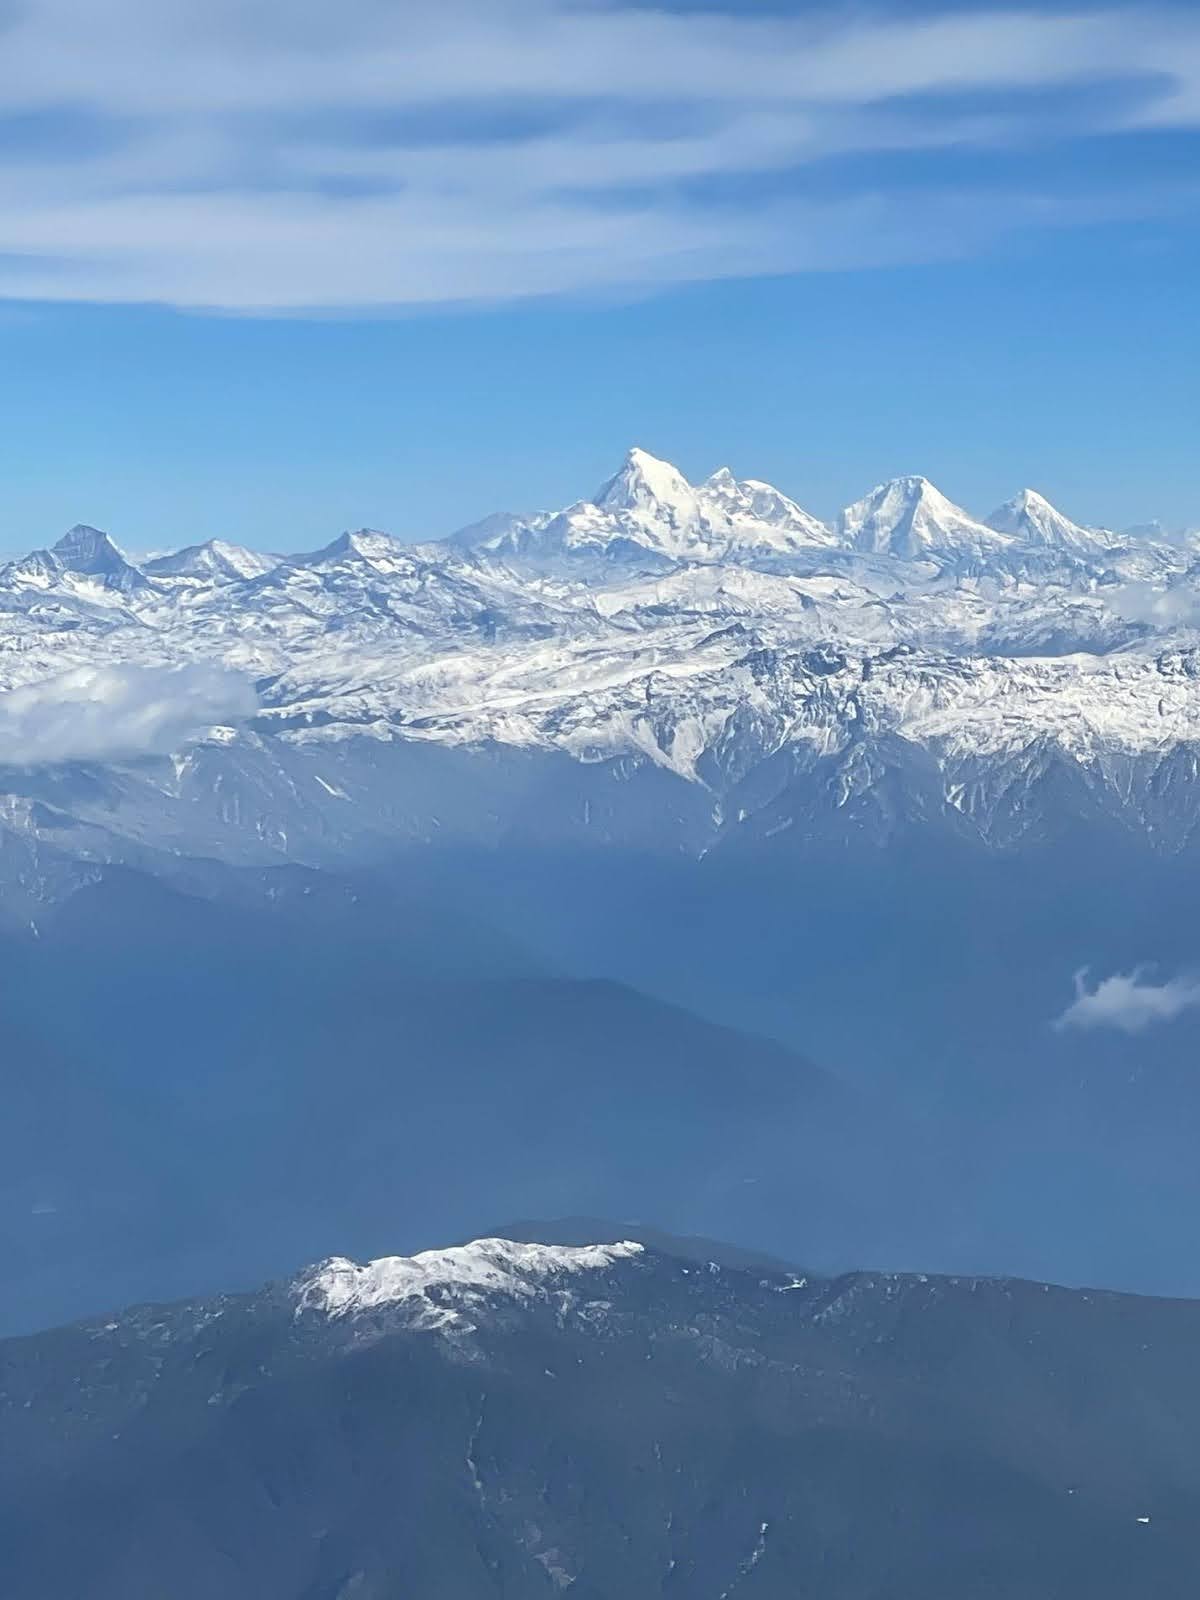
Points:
(266, 277)
(150, 553)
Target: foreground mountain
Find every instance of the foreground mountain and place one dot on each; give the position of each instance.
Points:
(606, 1418)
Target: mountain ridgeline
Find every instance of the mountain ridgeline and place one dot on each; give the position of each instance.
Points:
(674, 667)
(605, 1417)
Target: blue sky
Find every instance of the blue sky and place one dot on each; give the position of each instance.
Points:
(267, 272)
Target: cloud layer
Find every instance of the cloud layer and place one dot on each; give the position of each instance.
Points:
(292, 155)
(1129, 1001)
(117, 713)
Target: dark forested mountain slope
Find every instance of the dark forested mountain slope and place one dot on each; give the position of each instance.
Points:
(203, 1089)
(508, 1420)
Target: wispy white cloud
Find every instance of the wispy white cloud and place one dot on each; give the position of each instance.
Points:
(117, 713)
(1177, 605)
(1129, 1001)
(292, 154)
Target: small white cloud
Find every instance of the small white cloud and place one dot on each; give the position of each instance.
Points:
(1129, 1001)
(1178, 605)
(116, 713)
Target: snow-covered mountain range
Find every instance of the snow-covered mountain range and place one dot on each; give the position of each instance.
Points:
(714, 642)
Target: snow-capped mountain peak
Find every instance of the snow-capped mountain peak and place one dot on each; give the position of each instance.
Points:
(747, 509)
(214, 561)
(82, 544)
(366, 544)
(82, 553)
(1030, 517)
(498, 531)
(440, 1286)
(89, 552)
(648, 514)
(911, 518)
(648, 487)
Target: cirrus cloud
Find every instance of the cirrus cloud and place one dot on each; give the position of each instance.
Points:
(291, 155)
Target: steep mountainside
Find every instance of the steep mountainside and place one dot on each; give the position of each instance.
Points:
(506, 1419)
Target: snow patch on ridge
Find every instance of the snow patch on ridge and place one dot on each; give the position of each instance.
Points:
(439, 1284)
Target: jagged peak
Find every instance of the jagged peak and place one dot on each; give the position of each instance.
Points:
(495, 529)
(85, 543)
(1029, 516)
(894, 495)
(747, 503)
(903, 514)
(1030, 501)
(915, 486)
(646, 483)
(369, 544)
(89, 553)
(222, 547)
